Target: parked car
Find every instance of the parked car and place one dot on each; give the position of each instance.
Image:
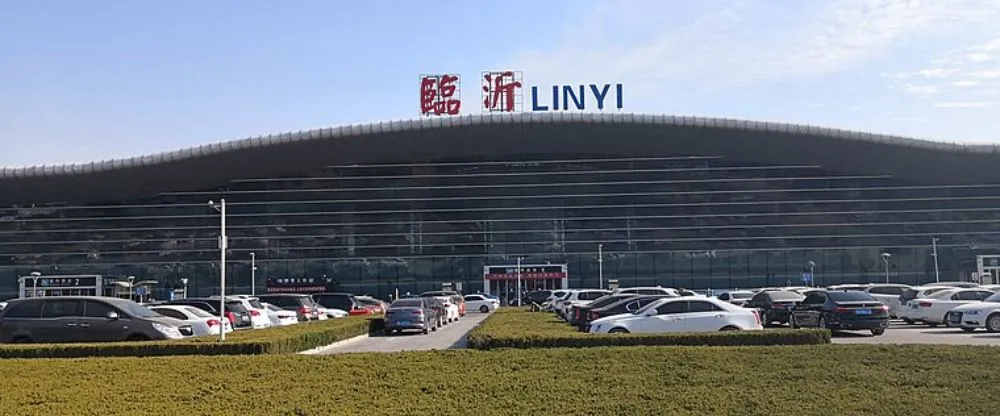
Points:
(622, 306)
(681, 314)
(409, 314)
(578, 297)
(450, 307)
(972, 316)
(331, 313)
(934, 308)
(258, 314)
(554, 298)
(914, 293)
(85, 319)
(582, 315)
(537, 297)
(651, 290)
(377, 306)
(481, 303)
(202, 323)
(774, 305)
(888, 294)
(344, 302)
(736, 297)
(238, 316)
(841, 310)
(303, 305)
(281, 317)
(455, 298)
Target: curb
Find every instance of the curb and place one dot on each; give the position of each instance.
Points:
(319, 350)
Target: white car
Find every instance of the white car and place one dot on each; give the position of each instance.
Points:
(657, 290)
(258, 313)
(934, 308)
(681, 314)
(888, 294)
(202, 323)
(331, 313)
(971, 316)
(281, 317)
(577, 298)
(915, 293)
(480, 303)
(450, 308)
(555, 297)
(736, 297)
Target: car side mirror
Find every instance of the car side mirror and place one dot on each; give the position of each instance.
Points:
(112, 316)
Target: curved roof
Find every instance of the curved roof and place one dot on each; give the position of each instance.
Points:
(498, 134)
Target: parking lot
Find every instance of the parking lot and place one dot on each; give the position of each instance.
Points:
(901, 333)
(449, 336)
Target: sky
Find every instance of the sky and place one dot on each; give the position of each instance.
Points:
(83, 81)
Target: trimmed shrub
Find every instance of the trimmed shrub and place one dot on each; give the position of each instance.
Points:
(518, 329)
(809, 380)
(277, 340)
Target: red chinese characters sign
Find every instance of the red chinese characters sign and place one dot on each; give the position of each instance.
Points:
(501, 91)
(440, 95)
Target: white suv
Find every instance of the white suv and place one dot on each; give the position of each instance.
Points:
(577, 298)
(258, 312)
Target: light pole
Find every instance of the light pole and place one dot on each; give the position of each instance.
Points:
(184, 281)
(885, 259)
(34, 283)
(600, 266)
(253, 274)
(519, 281)
(223, 245)
(131, 287)
(937, 272)
(812, 272)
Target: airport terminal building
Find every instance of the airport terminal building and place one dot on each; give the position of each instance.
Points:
(412, 205)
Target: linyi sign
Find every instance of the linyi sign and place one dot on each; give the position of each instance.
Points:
(502, 92)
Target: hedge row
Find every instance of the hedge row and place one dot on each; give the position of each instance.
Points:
(278, 340)
(820, 380)
(519, 329)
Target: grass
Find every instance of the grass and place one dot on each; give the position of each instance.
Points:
(514, 328)
(802, 380)
(277, 340)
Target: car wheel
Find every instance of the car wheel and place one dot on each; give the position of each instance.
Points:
(484, 309)
(426, 331)
(993, 323)
(729, 328)
(878, 331)
(968, 329)
(618, 331)
(434, 328)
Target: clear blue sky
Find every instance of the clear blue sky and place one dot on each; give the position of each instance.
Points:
(91, 80)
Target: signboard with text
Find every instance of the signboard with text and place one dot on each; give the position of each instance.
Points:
(503, 92)
(440, 95)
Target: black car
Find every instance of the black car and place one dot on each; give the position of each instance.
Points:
(774, 305)
(303, 305)
(581, 314)
(622, 306)
(537, 297)
(408, 314)
(835, 310)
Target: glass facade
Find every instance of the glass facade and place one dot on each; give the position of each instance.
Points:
(691, 221)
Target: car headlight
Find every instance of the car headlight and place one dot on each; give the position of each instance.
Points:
(168, 330)
(972, 312)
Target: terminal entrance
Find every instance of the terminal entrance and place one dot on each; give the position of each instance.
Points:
(988, 266)
(502, 280)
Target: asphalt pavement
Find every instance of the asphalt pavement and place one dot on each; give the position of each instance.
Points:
(901, 333)
(449, 336)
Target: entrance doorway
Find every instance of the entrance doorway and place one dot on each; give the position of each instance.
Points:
(502, 280)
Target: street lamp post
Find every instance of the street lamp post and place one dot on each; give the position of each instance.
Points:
(937, 272)
(885, 259)
(600, 266)
(253, 274)
(131, 287)
(519, 281)
(34, 283)
(223, 245)
(184, 281)
(812, 272)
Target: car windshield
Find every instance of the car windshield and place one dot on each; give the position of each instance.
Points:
(850, 296)
(406, 303)
(785, 295)
(255, 303)
(994, 298)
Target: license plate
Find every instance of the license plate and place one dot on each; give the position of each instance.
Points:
(863, 312)
(404, 322)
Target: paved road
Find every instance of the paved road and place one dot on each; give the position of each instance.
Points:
(448, 336)
(901, 333)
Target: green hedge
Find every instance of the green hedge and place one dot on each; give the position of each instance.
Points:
(519, 329)
(807, 380)
(278, 340)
